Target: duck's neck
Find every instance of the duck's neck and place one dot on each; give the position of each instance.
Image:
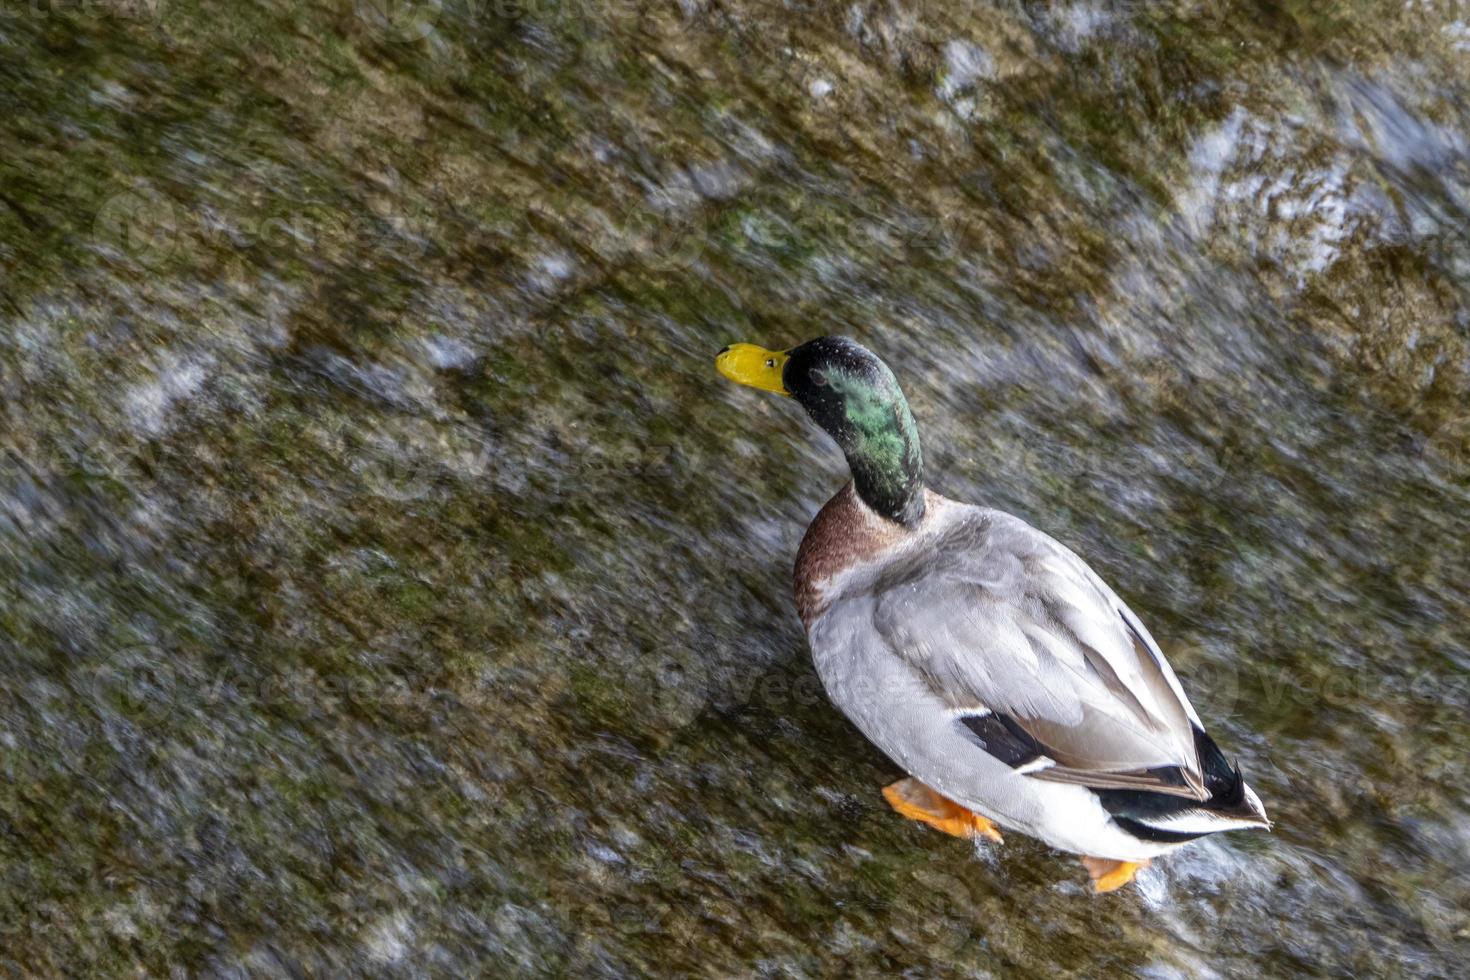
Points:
(881, 443)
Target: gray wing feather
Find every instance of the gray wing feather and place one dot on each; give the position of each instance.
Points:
(999, 617)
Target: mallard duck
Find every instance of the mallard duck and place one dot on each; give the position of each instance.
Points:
(982, 656)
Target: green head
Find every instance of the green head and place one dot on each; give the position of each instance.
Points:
(853, 395)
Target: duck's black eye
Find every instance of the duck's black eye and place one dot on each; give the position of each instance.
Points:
(770, 362)
(819, 378)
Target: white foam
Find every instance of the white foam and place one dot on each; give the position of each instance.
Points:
(149, 405)
(964, 64)
(387, 940)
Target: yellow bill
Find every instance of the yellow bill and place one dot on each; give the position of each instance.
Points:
(754, 366)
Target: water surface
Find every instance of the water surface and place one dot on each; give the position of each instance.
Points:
(388, 584)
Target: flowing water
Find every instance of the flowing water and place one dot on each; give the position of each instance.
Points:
(388, 584)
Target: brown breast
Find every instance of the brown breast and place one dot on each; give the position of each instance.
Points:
(843, 533)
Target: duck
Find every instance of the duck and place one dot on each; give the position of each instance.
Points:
(986, 659)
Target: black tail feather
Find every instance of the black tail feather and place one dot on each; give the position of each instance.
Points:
(1132, 810)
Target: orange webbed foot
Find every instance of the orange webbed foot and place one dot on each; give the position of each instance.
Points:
(916, 801)
(1109, 875)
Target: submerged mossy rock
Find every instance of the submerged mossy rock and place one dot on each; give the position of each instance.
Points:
(388, 584)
